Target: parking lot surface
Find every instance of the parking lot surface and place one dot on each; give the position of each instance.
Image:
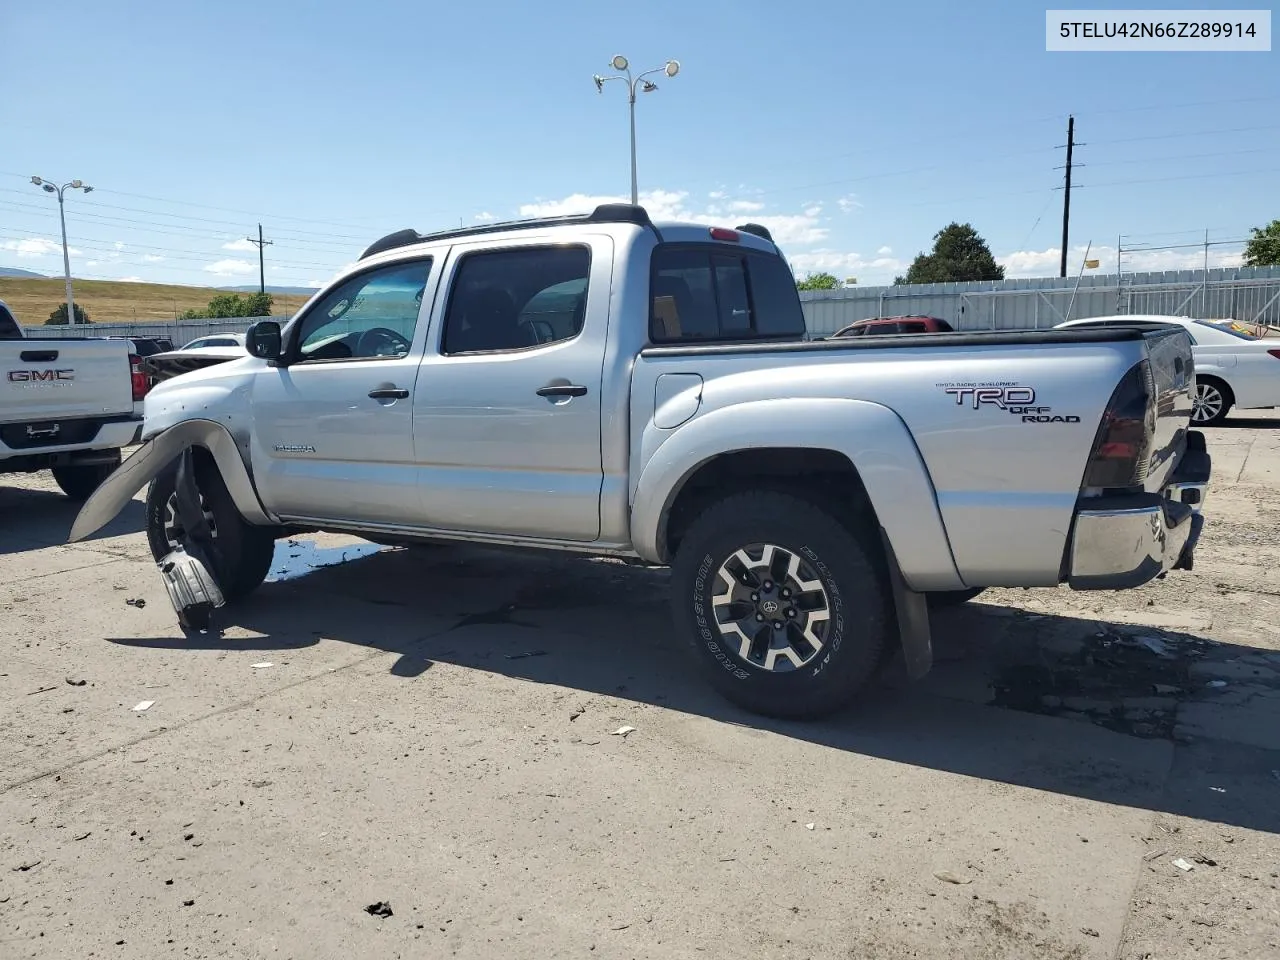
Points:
(436, 735)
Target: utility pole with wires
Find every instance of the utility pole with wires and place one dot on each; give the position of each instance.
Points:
(1066, 196)
(262, 269)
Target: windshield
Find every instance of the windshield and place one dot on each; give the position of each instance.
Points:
(1228, 326)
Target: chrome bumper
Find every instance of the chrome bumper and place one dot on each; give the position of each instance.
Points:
(1125, 541)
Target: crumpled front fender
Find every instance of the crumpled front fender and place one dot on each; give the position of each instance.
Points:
(151, 459)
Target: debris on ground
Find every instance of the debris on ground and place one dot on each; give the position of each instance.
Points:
(144, 706)
(809, 826)
(41, 690)
(623, 731)
(24, 867)
(530, 653)
(946, 876)
(137, 602)
(1206, 861)
(1090, 932)
(577, 713)
(1184, 865)
(76, 683)
(188, 903)
(1155, 856)
(380, 909)
(263, 666)
(83, 836)
(1216, 684)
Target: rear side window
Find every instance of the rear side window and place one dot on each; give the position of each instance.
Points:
(8, 325)
(912, 326)
(516, 299)
(701, 292)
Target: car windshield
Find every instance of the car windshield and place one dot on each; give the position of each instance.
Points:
(1228, 326)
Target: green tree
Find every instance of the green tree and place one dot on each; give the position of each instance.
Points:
(59, 317)
(818, 281)
(1263, 248)
(959, 253)
(239, 305)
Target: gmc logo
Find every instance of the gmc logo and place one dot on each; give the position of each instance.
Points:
(36, 376)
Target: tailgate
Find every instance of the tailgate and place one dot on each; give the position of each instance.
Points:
(63, 379)
(1173, 376)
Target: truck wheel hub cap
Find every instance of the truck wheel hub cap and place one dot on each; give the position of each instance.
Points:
(771, 607)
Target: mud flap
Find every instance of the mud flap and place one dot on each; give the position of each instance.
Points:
(189, 571)
(913, 617)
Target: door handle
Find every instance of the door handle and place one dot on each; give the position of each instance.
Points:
(563, 390)
(389, 393)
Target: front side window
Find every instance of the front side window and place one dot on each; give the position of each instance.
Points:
(516, 299)
(368, 316)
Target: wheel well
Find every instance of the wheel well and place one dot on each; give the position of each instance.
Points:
(824, 477)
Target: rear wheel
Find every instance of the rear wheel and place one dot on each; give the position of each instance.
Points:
(785, 609)
(79, 482)
(242, 553)
(1213, 400)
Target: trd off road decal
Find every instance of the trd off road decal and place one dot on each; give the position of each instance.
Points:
(1013, 398)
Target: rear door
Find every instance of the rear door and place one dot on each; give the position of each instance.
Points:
(54, 380)
(506, 409)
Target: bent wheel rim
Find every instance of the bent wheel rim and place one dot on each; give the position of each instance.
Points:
(174, 533)
(1207, 403)
(771, 608)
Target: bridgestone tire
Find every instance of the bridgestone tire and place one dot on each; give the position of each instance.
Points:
(849, 566)
(952, 598)
(242, 553)
(78, 483)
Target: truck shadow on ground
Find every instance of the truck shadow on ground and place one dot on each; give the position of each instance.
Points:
(1109, 712)
(34, 519)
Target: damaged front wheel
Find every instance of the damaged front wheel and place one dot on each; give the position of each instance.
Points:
(241, 553)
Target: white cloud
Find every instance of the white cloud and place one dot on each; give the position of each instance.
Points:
(1045, 263)
(231, 268)
(745, 206)
(848, 203)
(92, 263)
(794, 229)
(885, 251)
(717, 195)
(152, 258)
(240, 244)
(35, 247)
(484, 215)
(119, 245)
(845, 264)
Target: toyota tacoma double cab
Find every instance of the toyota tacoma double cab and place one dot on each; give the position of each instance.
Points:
(613, 386)
(66, 405)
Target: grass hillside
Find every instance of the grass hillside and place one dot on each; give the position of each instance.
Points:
(109, 301)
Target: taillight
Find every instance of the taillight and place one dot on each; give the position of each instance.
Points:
(724, 233)
(139, 379)
(1122, 449)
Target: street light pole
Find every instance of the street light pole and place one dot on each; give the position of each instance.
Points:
(671, 68)
(48, 187)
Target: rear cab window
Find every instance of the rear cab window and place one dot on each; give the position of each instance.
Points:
(9, 329)
(702, 292)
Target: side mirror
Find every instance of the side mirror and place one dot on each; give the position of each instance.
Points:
(263, 340)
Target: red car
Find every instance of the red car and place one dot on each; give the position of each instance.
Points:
(879, 326)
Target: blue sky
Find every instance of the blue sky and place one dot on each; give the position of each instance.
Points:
(856, 131)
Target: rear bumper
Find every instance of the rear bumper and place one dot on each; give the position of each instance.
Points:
(1125, 541)
(86, 441)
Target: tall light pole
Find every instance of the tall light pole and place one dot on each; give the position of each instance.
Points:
(619, 62)
(48, 187)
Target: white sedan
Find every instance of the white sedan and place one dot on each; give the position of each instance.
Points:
(215, 340)
(1233, 368)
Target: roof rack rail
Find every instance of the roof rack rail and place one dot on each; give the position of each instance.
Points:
(757, 230)
(604, 213)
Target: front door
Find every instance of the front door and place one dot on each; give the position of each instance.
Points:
(333, 427)
(506, 413)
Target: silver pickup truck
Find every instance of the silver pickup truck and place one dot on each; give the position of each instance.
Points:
(613, 386)
(66, 405)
